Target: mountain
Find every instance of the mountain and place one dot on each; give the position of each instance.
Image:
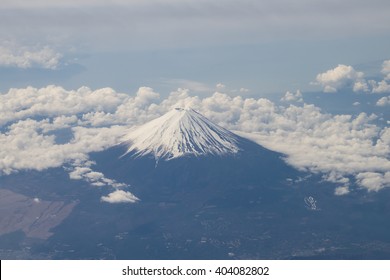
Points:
(181, 132)
(182, 144)
(204, 193)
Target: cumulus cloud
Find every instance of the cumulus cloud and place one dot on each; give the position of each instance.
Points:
(373, 181)
(382, 86)
(82, 170)
(25, 145)
(120, 196)
(292, 97)
(379, 87)
(384, 101)
(145, 96)
(22, 57)
(340, 77)
(339, 146)
(342, 190)
(386, 69)
(53, 101)
(344, 76)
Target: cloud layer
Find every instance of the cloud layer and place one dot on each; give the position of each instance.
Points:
(193, 21)
(348, 150)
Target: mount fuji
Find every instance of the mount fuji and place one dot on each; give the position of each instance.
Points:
(181, 132)
(186, 142)
(202, 192)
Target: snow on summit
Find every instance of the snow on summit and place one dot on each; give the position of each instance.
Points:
(178, 133)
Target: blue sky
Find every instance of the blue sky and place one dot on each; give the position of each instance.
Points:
(265, 46)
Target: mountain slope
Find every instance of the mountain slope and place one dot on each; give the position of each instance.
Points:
(178, 133)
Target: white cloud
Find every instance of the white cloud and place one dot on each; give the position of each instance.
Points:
(342, 190)
(81, 170)
(25, 146)
(56, 101)
(340, 77)
(145, 96)
(22, 57)
(379, 87)
(340, 146)
(336, 177)
(78, 173)
(356, 103)
(382, 86)
(386, 69)
(360, 85)
(344, 76)
(90, 115)
(120, 196)
(292, 97)
(384, 101)
(374, 181)
(220, 87)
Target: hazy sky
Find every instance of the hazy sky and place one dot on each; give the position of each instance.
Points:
(265, 46)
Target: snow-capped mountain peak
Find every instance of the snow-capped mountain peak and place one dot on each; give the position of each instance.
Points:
(178, 133)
